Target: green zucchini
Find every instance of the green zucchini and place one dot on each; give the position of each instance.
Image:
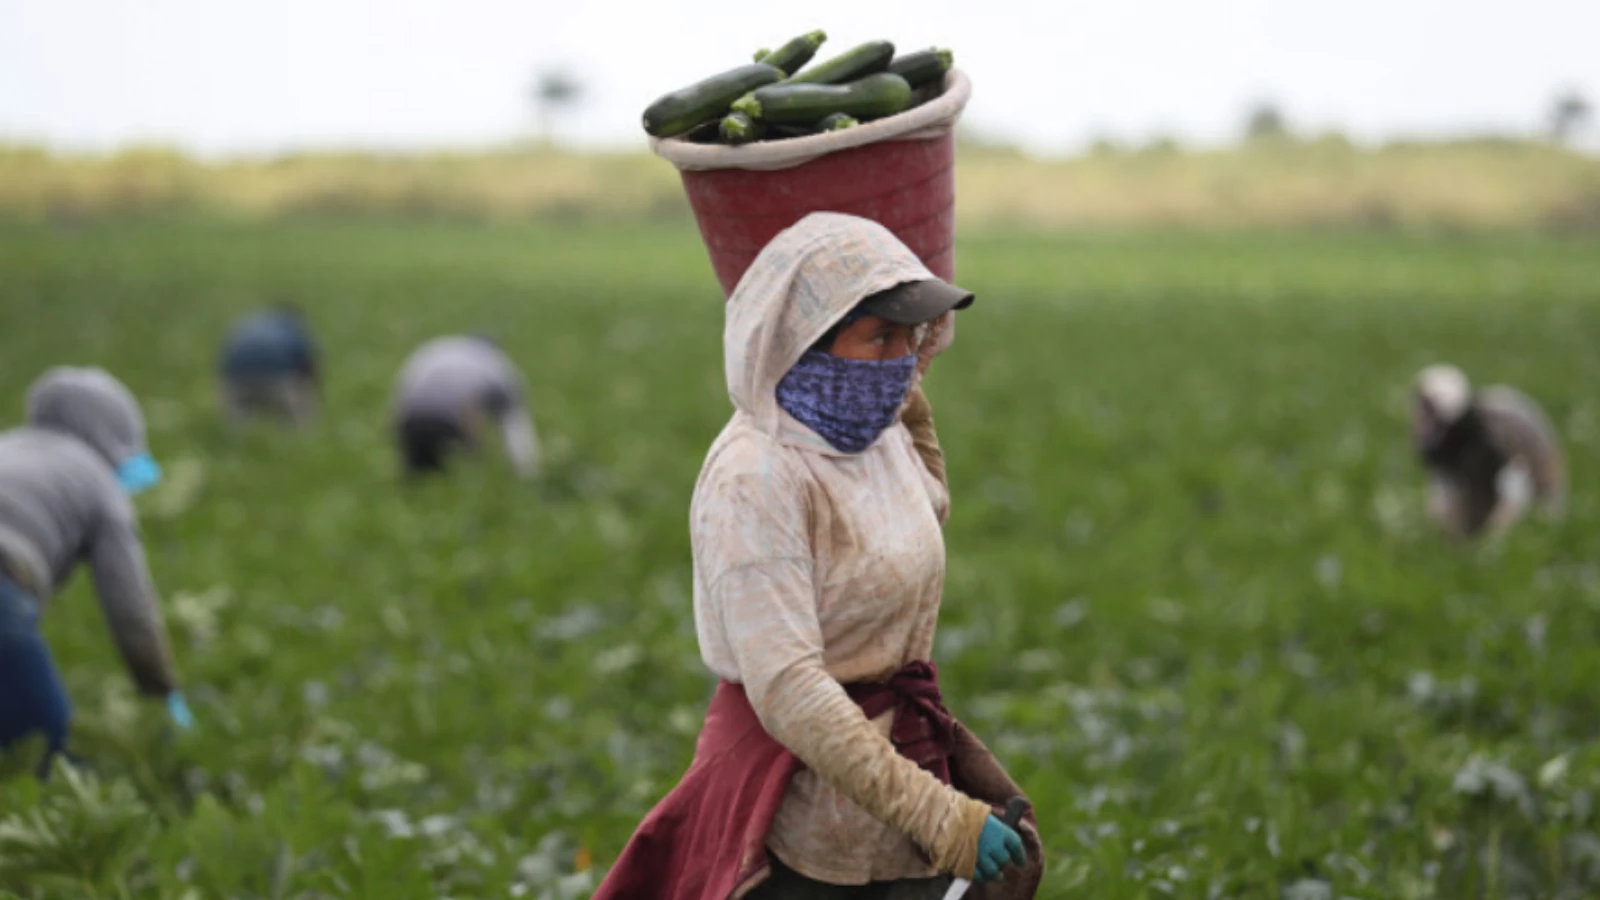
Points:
(708, 98)
(761, 54)
(704, 133)
(857, 62)
(923, 66)
(796, 53)
(874, 96)
(738, 128)
(789, 131)
(837, 122)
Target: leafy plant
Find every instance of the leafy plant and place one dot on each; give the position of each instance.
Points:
(80, 833)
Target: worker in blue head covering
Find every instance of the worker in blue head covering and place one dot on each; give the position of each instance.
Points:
(271, 366)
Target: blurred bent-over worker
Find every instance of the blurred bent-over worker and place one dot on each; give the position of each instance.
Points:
(65, 480)
(1491, 455)
(449, 392)
(269, 366)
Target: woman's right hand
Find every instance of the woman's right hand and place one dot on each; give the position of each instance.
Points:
(999, 845)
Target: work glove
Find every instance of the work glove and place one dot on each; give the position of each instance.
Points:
(999, 845)
(178, 708)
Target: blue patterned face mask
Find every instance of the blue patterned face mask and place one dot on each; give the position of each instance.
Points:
(138, 473)
(849, 402)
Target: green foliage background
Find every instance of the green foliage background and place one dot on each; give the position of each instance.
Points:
(1191, 602)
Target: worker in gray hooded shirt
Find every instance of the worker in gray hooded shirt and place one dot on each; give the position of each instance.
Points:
(65, 480)
(448, 393)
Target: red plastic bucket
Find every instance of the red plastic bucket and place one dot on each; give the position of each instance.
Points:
(898, 171)
(907, 186)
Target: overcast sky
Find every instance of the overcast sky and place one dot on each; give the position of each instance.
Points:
(224, 76)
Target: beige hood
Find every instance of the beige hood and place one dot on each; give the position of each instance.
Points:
(803, 281)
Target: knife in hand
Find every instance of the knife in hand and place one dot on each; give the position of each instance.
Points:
(1015, 807)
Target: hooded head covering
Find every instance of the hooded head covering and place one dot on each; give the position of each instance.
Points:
(805, 279)
(269, 343)
(94, 407)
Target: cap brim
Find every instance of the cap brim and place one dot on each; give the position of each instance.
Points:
(915, 302)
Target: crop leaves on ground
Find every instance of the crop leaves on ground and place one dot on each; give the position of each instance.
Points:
(1192, 601)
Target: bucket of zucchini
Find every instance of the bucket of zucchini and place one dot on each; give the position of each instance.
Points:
(777, 97)
(867, 132)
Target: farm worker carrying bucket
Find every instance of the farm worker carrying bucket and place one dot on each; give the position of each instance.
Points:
(828, 764)
(836, 253)
(898, 171)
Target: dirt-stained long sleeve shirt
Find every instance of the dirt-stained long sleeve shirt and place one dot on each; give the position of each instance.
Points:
(815, 568)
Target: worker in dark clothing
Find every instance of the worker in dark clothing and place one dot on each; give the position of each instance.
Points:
(270, 366)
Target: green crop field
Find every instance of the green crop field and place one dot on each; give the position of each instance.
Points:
(1192, 602)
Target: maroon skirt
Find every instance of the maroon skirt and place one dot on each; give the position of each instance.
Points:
(706, 840)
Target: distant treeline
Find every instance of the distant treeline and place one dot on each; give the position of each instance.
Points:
(1274, 182)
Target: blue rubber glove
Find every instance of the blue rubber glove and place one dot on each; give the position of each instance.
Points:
(998, 846)
(139, 473)
(178, 708)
